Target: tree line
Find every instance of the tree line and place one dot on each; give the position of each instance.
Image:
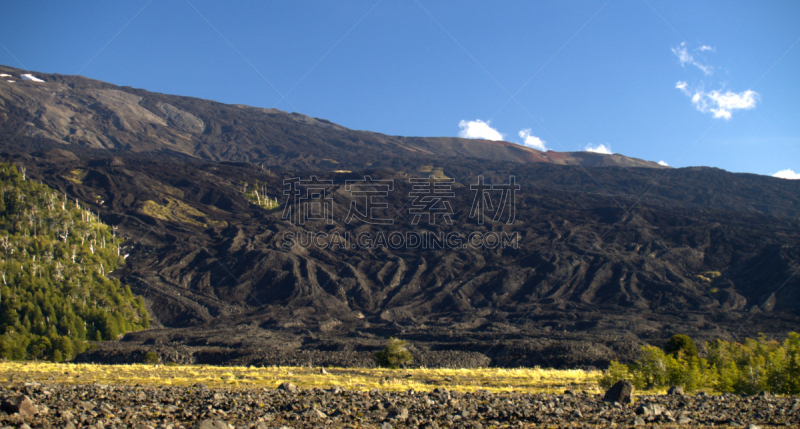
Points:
(749, 367)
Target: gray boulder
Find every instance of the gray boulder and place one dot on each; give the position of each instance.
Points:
(288, 387)
(19, 404)
(621, 391)
(675, 390)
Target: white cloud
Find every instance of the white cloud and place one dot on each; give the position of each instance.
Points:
(664, 163)
(787, 174)
(600, 148)
(478, 129)
(720, 104)
(730, 100)
(532, 141)
(684, 57)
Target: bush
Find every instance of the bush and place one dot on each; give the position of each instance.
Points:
(690, 373)
(616, 371)
(150, 358)
(651, 369)
(394, 355)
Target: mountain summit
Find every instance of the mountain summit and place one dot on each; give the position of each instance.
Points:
(76, 111)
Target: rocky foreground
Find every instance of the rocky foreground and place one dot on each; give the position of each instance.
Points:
(34, 405)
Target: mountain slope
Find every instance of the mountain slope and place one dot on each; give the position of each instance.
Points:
(601, 258)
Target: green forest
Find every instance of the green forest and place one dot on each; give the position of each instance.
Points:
(55, 293)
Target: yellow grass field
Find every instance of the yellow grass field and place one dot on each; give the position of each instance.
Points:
(493, 379)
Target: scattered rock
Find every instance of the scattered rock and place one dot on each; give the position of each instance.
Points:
(168, 407)
(211, 424)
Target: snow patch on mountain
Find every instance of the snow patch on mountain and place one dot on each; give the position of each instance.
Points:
(30, 77)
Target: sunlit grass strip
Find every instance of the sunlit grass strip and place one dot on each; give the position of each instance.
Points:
(533, 380)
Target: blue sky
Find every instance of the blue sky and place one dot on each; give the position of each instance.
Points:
(713, 83)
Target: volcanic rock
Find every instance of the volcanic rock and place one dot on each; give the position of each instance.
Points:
(288, 387)
(19, 404)
(675, 390)
(621, 392)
